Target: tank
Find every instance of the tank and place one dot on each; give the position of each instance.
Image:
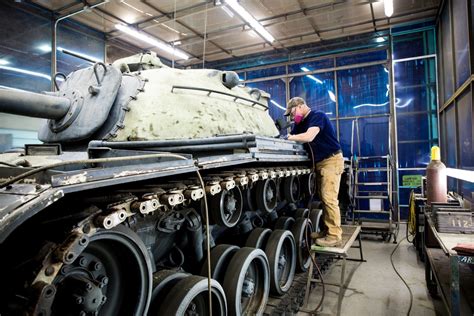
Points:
(156, 191)
(436, 179)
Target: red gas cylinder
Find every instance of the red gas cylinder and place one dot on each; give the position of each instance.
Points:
(436, 179)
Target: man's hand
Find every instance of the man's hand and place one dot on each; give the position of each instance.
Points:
(305, 137)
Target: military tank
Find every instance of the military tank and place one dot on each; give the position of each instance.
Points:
(156, 191)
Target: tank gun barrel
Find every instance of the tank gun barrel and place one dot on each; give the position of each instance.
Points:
(33, 104)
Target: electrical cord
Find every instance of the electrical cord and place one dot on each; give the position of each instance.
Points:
(399, 275)
(314, 312)
(208, 242)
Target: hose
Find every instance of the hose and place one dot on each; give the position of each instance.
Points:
(310, 201)
(399, 275)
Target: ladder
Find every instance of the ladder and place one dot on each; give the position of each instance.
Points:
(373, 195)
(372, 192)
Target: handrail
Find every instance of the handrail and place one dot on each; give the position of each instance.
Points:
(209, 91)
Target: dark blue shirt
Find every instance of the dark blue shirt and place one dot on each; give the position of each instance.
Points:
(325, 143)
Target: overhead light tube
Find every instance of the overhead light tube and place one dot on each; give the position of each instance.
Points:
(388, 7)
(244, 14)
(152, 41)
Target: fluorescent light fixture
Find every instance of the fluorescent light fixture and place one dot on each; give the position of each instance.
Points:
(226, 10)
(45, 48)
(380, 40)
(461, 174)
(278, 105)
(311, 76)
(152, 41)
(27, 72)
(388, 7)
(79, 55)
(253, 34)
(332, 96)
(4, 62)
(250, 19)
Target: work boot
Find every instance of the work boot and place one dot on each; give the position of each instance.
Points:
(329, 241)
(317, 235)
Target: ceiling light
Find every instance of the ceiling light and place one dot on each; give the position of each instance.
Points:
(152, 41)
(380, 40)
(226, 10)
(388, 7)
(461, 174)
(253, 34)
(177, 43)
(250, 19)
(311, 76)
(27, 72)
(45, 48)
(278, 105)
(331, 96)
(4, 62)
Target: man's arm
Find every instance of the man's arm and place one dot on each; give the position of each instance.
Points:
(305, 137)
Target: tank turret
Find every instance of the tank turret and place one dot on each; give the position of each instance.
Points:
(139, 98)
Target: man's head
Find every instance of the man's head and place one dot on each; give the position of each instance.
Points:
(296, 104)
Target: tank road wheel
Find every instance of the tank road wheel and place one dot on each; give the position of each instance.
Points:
(163, 282)
(301, 230)
(221, 256)
(291, 189)
(301, 213)
(247, 282)
(308, 183)
(284, 222)
(266, 195)
(190, 297)
(315, 217)
(249, 199)
(281, 253)
(226, 207)
(258, 238)
(112, 276)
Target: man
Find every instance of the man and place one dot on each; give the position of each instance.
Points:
(315, 128)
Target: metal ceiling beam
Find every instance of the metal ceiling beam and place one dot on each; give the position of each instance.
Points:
(373, 16)
(186, 12)
(295, 16)
(285, 17)
(339, 27)
(310, 20)
(119, 19)
(170, 16)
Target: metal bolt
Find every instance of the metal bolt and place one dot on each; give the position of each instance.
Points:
(49, 271)
(88, 286)
(104, 299)
(79, 300)
(86, 229)
(83, 261)
(97, 266)
(82, 313)
(104, 280)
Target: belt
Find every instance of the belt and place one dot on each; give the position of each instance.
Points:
(337, 152)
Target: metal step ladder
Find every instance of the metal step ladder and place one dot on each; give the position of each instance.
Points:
(373, 195)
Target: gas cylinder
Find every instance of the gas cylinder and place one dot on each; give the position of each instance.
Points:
(436, 178)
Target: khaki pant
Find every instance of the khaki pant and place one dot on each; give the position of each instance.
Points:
(328, 178)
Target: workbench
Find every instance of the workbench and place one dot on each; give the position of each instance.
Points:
(448, 273)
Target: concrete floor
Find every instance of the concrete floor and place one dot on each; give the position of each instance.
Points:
(373, 288)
